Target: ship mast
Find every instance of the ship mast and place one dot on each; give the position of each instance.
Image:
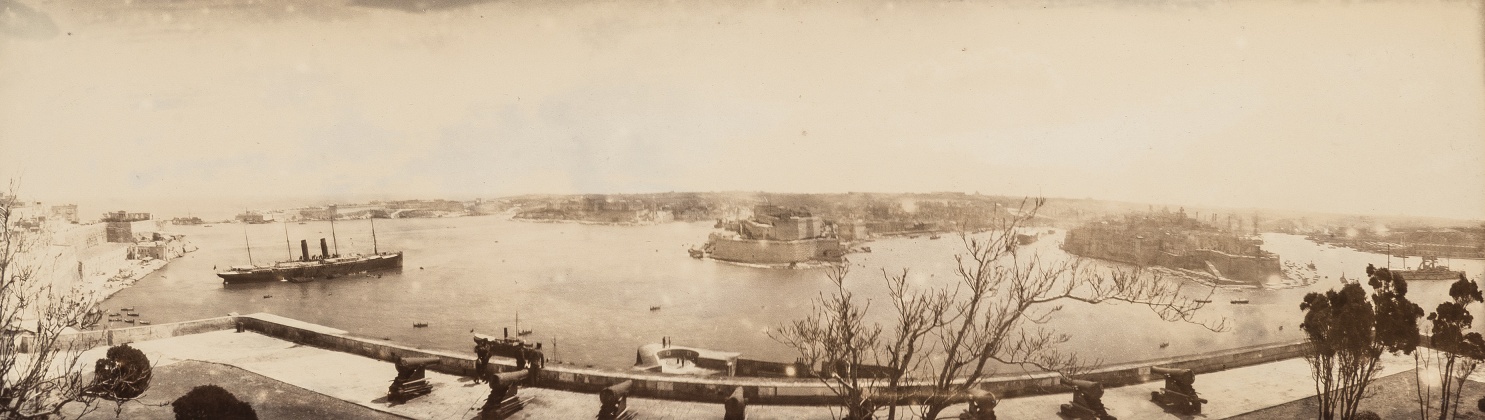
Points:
(247, 243)
(332, 231)
(287, 247)
(373, 235)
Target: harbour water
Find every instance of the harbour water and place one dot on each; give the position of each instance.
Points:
(590, 289)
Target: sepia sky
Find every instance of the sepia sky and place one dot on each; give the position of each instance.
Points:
(1375, 107)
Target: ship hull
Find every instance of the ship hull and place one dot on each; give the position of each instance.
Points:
(320, 270)
(1430, 275)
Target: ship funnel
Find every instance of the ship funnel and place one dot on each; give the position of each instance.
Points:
(324, 249)
(303, 250)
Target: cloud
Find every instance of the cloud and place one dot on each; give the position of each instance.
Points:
(1273, 105)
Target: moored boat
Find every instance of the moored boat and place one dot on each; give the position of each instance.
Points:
(305, 271)
(1430, 269)
(308, 268)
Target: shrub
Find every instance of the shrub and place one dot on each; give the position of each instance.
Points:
(211, 402)
(124, 374)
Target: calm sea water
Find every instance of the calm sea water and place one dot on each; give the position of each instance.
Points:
(590, 288)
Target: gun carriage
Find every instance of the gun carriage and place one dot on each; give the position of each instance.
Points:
(615, 402)
(1178, 394)
(981, 406)
(411, 381)
(504, 399)
(1087, 402)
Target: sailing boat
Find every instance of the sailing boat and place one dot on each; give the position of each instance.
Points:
(307, 267)
(520, 331)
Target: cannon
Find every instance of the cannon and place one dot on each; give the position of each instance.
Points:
(736, 405)
(1178, 394)
(981, 406)
(1087, 402)
(615, 400)
(411, 379)
(504, 399)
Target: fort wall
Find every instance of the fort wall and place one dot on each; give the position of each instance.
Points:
(776, 252)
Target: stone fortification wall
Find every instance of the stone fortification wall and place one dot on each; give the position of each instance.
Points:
(776, 252)
(112, 337)
(1095, 244)
(81, 236)
(704, 389)
(758, 390)
(1240, 267)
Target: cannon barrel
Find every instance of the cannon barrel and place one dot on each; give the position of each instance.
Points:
(613, 394)
(1184, 376)
(507, 378)
(1080, 384)
(1169, 371)
(1092, 389)
(983, 397)
(416, 361)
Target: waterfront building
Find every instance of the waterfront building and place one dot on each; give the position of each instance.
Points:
(125, 227)
(64, 212)
(252, 217)
(123, 216)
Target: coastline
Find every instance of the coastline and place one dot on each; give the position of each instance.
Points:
(103, 287)
(796, 266)
(584, 222)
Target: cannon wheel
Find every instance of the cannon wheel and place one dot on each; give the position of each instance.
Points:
(1155, 396)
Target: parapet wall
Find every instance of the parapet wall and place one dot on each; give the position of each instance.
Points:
(758, 390)
(113, 337)
(653, 385)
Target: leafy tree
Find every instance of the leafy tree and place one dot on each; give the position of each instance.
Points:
(211, 402)
(1452, 354)
(1347, 336)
